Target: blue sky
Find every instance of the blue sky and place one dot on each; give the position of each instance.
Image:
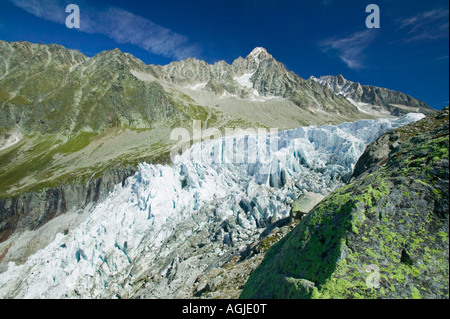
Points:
(408, 53)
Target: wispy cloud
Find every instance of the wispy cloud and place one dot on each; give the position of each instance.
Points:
(442, 58)
(429, 25)
(350, 49)
(118, 24)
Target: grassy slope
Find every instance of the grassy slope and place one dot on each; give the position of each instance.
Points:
(45, 160)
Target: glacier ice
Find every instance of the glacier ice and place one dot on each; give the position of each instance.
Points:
(167, 224)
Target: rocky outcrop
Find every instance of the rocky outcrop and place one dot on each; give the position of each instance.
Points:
(305, 203)
(31, 210)
(378, 153)
(50, 89)
(384, 235)
(227, 281)
(394, 102)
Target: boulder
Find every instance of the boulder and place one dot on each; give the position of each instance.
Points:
(304, 204)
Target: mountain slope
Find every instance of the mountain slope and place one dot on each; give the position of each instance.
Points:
(258, 77)
(46, 92)
(373, 99)
(385, 235)
(49, 89)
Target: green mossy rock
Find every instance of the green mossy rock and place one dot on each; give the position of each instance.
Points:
(385, 235)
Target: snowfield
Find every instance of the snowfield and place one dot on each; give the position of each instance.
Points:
(152, 237)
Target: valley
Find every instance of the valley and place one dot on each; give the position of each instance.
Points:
(96, 201)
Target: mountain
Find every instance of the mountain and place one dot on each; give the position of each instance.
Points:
(66, 117)
(73, 127)
(166, 226)
(384, 235)
(258, 77)
(50, 89)
(372, 99)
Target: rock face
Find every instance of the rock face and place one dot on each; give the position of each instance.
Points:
(33, 209)
(384, 235)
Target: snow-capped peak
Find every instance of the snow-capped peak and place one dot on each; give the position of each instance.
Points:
(257, 52)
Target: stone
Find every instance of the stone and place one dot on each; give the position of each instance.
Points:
(305, 203)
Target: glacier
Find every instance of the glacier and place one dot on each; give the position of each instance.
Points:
(154, 235)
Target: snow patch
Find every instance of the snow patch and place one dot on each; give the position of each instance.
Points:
(9, 140)
(244, 80)
(256, 51)
(142, 76)
(226, 94)
(255, 97)
(255, 54)
(197, 87)
(360, 106)
(405, 107)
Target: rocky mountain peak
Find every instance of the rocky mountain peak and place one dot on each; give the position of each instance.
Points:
(341, 80)
(259, 53)
(254, 60)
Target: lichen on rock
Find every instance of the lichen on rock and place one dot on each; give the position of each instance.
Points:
(385, 235)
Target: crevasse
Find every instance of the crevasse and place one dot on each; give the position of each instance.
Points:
(218, 193)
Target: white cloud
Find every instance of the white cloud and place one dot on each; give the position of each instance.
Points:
(118, 24)
(429, 25)
(350, 49)
(46, 9)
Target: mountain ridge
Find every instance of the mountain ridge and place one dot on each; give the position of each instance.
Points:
(373, 97)
(258, 78)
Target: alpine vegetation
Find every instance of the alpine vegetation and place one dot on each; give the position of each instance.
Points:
(383, 235)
